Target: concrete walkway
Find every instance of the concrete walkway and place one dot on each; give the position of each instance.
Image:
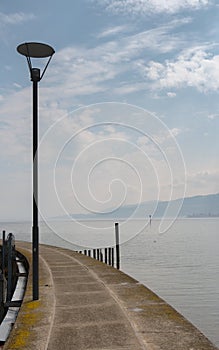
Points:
(85, 304)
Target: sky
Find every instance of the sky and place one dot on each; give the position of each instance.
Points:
(128, 107)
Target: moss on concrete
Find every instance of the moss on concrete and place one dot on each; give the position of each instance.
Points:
(34, 317)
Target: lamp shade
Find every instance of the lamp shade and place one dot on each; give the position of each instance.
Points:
(35, 50)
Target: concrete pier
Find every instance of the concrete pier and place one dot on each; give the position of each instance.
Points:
(85, 304)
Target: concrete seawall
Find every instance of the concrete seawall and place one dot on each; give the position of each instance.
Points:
(85, 304)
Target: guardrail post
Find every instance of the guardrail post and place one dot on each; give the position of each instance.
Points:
(112, 257)
(3, 288)
(105, 255)
(10, 267)
(101, 255)
(94, 253)
(2, 295)
(117, 246)
(3, 251)
(109, 256)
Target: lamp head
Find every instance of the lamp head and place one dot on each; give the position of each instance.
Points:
(35, 50)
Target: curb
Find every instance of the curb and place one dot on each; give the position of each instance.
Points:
(32, 326)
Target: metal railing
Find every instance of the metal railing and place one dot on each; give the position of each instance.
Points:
(9, 273)
(8, 264)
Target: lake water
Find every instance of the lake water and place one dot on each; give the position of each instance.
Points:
(180, 265)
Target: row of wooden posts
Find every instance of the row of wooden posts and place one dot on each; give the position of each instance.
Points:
(109, 255)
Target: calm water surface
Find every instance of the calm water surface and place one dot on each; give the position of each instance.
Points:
(181, 265)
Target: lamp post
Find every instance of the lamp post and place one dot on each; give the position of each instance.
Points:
(35, 50)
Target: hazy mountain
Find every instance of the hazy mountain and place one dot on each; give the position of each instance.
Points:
(198, 206)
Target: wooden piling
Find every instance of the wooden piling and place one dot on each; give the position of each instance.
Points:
(117, 246)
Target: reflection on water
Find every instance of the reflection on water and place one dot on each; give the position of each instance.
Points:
(181, 266)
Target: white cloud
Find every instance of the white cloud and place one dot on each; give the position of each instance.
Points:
(15, 135)
(112, 31)
(16, 195)
(7, 21)
(100, 150)
(145, 7)
(204, 181)
(213, 116)
(15, 18)
(17, 85)
(175, 131)
(192, 68)
(171, 94)
(83, 71)
(125, 89)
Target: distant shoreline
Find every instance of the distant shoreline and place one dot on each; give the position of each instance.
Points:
(200, 215)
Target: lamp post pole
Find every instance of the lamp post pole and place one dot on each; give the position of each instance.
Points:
(35, 50)
(35, 77)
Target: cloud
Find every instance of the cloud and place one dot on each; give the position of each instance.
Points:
(15, 128)
(204, 181)
(193, 67)
(175, 131)
(10, 20)
(171, 94)
(125, 89)
(16, 190)
(213, 116)
(112, 31)
(15, 18)
(145, 7)
(81, 71)
(97, 156)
